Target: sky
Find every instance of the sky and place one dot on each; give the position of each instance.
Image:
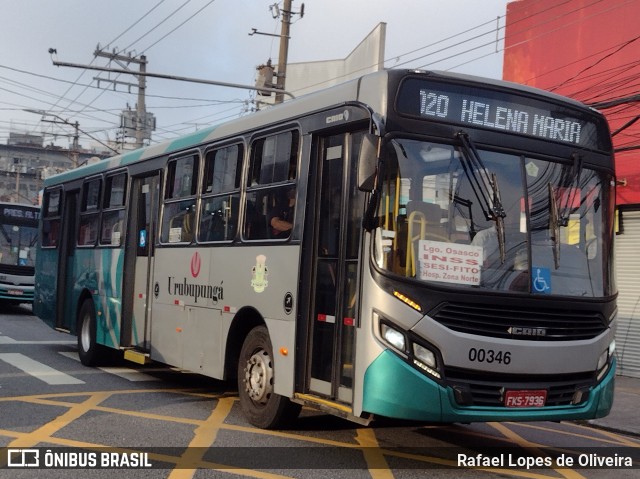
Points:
(209, 39)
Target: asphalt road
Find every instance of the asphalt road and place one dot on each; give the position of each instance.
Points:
(114, 421)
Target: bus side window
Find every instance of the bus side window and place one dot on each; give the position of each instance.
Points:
(113, 214)
(89, 212)
(88, 231)
(221, 194)
(272, 175)
(178, 220)
(112, 228)
(51, 220)
(181, 226)
(255, 220)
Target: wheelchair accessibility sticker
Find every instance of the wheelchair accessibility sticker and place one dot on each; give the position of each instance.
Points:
(541, 280)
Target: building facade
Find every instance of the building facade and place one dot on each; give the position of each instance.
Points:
(25, 161)
(589, 51)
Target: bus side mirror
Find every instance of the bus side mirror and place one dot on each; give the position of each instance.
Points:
(367, 162)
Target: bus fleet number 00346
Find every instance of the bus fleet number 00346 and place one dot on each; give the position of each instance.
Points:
(489, 356)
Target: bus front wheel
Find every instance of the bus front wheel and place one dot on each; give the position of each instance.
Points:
(262, 406)
(88, 349)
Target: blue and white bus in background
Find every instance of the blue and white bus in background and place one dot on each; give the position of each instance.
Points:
(18, 245)
(411, 244)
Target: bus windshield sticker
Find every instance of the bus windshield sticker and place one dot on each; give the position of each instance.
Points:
(259, 274)
(541, 280)
(532, 169)
(175, 235)
(142, 240)
(449, 262)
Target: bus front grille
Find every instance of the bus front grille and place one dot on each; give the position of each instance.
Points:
(17, 270)
(520, 323)
(488, 389)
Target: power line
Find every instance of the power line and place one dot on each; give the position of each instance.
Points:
(563, 27)
(179, 25)
(157, 25)
(135, 23)
(593, 65)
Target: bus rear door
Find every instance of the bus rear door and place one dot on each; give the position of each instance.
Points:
(65, 308)
(138, 288)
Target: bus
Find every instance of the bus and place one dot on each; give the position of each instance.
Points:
(18, 238)
(411, 244)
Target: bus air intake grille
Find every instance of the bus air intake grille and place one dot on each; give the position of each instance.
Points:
(487, 389)
(520, 324)
(17, 270)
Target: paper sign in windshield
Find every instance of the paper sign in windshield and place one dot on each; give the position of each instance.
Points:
(449, 262)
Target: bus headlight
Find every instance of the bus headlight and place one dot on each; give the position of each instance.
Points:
(424, 355)
(425, 359)
(394, 337)
(404, 344)
(603, 360)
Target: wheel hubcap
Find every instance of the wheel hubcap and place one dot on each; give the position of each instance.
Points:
(258, 377)
(85, 334)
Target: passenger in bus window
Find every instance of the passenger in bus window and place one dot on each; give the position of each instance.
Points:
(281, 216)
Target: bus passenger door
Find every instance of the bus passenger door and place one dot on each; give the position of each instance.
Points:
(138, 289)
(337, 212)
(65, 310)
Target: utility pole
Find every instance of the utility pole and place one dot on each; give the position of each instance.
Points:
(266, 71)
(141, 124)
(141, 111)
(284, 50)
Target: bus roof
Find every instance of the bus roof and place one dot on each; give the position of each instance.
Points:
(350, 91)
(4, 204)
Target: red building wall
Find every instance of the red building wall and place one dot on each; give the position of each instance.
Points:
(588, 50)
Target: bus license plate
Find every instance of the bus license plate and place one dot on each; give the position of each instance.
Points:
(15, 292)
(525, 398)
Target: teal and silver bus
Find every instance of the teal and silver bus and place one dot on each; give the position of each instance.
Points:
(411, 244)
(18, 238)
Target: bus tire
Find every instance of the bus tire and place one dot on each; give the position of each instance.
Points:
(88, 349)
(263, 407)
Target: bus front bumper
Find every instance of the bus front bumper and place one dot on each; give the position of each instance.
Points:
(392, 388)
(16, 295)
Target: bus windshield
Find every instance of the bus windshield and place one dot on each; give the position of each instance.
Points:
(17, 244)
(437, 226)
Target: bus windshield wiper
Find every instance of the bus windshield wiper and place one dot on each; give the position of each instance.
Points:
(554, 225)
(570, 180)
(485, 188)
(559, 214)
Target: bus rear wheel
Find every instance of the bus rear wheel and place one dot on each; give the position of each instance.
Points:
(88, 349)
(262, 406)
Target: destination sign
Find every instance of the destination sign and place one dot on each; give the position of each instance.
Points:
(496, 110)
(16, 212)
(16, 215)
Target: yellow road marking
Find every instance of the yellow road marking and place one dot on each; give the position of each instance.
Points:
(206, 431)
(534, 447)
(203, 437)
(620, 439)
(376, 462)
(44, 433)
(616, 439)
